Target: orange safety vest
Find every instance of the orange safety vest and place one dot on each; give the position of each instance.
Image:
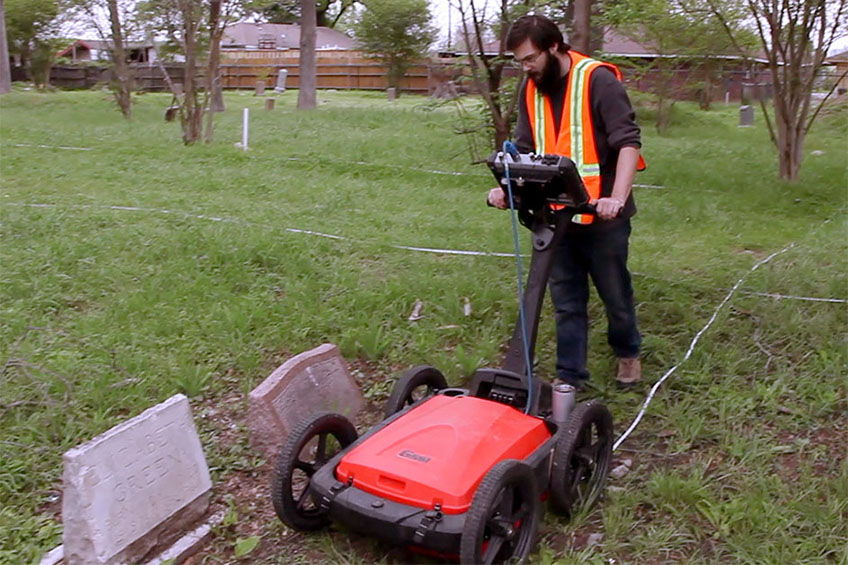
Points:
(576, 139)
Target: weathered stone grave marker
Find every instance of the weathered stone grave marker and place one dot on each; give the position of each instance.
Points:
(305, 384)
(134, 489)
(391, 94)
(269, 103)
(260, 88)
(746, 116)
(282, 74)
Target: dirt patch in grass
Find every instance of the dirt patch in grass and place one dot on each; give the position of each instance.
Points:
(242, 490)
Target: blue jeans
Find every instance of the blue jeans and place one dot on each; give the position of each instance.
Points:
(597, 251)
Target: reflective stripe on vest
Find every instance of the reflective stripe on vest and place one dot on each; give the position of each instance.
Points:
(576, 136)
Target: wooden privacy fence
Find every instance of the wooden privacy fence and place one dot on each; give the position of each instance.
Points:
(341, 75)
(418, 79)
(77, 76)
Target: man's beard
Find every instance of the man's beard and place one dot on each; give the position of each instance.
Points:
(547, 81)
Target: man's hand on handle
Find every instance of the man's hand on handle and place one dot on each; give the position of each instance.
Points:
(608, 208)
(497, 198)
(605, 208)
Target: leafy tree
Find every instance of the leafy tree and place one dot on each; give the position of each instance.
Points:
(28, 27)
(488, 72)
(328, 13)
(795, 36)
(193, 29)
(115, 36)
(397, 32)
(682, 36)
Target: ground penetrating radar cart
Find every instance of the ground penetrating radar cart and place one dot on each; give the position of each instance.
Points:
(463, 473)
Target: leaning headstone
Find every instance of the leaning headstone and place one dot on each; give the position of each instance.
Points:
(391, 93)
(171, 112)
(305, 384)
(281, 80)
(746, 116)
(133, 490)
(260, 88)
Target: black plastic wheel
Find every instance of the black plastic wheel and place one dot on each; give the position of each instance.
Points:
(582, 458)
(416, 383)
(504, 516)
(310, 445)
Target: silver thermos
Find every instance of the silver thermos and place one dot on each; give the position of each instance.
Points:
(563, 402)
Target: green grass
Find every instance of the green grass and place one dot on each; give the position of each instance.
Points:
(202, 289)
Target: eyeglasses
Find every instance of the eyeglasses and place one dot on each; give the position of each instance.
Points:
(528, 60)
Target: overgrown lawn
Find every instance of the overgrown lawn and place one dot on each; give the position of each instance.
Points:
(139, 268)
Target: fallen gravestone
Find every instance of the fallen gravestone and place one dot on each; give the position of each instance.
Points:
(133, 490)
(305, 384)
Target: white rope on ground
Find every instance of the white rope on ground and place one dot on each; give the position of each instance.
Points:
(697, 337)
(361, 163)
(291, 230)
(790, 297)
(52, 146)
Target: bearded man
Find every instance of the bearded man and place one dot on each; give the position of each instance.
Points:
(576, 106)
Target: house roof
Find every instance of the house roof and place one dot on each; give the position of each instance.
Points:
(618, 45)
(105, 45)
(284, 36)
(838, 58)
(76, 43)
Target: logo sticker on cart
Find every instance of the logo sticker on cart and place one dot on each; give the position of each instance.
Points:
(409, 454)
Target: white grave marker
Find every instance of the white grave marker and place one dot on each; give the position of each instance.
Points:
(135, 487)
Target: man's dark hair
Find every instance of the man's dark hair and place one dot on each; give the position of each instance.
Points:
(542, 33)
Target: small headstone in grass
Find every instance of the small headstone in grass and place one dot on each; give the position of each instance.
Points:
(746, 116)
(305, 384)
(269, 103)
(260, 88)
(391, 94)
(134, 489)
(171, 113)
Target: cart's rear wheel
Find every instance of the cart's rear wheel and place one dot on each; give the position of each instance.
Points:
(310, 445)
(504, 516)
(416, 383)
(582, 458)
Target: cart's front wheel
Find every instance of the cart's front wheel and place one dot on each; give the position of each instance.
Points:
(310, 445)
(504, 516)
(416, 383)
(582, 458)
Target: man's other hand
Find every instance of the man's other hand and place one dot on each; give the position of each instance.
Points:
(497, 198)
(608, 208)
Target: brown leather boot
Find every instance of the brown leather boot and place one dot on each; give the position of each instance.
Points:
(629, 371)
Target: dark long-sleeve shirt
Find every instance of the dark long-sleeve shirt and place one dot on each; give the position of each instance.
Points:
(613, 121)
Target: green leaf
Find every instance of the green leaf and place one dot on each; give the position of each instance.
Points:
(245, 546)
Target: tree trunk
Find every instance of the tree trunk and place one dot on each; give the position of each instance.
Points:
(790, 144)
(5, 71)
(122, 83)
(213, 75)
(581, 30)
(191, 114)
(306, 90)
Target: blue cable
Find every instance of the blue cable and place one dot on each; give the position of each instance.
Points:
(509, 148)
